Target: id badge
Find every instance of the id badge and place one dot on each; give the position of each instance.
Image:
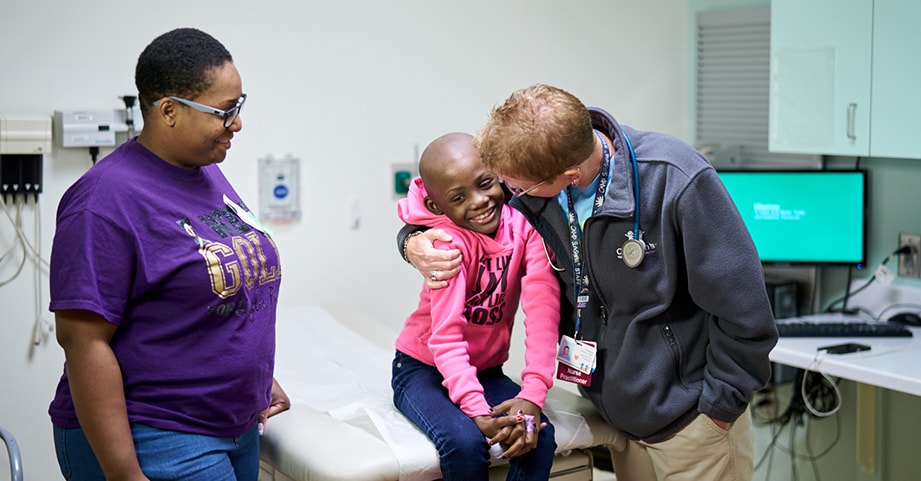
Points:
(576, 361)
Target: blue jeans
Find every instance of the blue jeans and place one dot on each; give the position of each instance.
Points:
(463, 449)
(166, 455)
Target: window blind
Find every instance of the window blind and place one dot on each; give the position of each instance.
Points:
(732, 91)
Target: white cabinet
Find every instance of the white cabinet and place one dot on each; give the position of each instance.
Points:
(820, 76)
(895, 121)
(845, 77)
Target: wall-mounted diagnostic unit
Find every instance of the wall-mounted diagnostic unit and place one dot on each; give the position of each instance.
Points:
(93, 128)
(98, 128)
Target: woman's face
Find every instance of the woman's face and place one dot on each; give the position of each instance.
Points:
(200, 138)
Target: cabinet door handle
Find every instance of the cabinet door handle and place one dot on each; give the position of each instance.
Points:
(851, 109)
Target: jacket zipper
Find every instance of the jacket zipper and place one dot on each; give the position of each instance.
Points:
(670, 337)
(603, 310)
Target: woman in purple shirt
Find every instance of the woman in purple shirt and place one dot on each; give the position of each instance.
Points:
(164, 288)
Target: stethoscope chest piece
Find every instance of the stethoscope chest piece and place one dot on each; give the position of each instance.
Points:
(633, 251)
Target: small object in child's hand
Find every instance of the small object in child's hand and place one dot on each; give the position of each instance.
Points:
(529, 423)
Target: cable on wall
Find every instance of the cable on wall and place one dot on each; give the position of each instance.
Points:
(847, 294)
(42, 326)
(17, 241)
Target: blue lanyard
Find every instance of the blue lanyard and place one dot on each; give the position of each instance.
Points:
(580, 281)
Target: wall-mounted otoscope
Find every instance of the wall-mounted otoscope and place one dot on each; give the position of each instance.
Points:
(129, 113)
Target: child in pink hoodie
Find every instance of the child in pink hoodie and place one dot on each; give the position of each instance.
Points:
(447, 373)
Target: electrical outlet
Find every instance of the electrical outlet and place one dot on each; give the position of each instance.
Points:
(910, 263)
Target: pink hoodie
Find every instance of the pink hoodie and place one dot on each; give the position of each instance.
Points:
(466, 327)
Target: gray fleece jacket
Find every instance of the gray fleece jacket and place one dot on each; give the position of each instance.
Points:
(689, 330)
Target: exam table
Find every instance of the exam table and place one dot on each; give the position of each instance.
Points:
(334, 363)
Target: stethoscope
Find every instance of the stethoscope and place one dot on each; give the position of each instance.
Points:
(633, 250)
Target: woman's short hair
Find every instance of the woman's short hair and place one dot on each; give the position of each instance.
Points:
(178, 63)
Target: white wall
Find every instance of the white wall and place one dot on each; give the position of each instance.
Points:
(349, 87)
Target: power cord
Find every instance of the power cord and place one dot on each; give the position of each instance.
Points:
(814, 393)
(847, 294)
(821, 399)
(900, 305)
(42, 326)
(813, 396)
(18, 240)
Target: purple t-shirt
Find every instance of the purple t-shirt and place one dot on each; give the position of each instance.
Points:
(154, 249)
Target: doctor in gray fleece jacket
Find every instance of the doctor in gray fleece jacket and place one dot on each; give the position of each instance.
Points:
(657, 267)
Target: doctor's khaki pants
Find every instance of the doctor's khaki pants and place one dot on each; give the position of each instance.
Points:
(702, 451)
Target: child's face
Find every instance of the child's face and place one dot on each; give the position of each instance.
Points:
(467, 194)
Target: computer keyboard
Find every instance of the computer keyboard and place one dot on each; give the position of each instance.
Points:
(842, 329)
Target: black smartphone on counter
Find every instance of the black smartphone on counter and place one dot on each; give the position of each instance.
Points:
(845, 348)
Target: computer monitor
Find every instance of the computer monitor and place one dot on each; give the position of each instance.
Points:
(810, 217)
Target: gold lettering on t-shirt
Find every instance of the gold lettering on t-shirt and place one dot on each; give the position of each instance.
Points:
(266, 273)
(231, 267)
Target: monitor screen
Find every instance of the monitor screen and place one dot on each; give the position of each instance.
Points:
(803, 216)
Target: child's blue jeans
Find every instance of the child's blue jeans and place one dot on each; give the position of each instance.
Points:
(463, 449)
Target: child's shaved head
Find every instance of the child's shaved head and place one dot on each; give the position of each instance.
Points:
(458, 185)
(440, 156)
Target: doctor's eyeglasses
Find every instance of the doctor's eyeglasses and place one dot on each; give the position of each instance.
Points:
(228, 115)
(518, 192)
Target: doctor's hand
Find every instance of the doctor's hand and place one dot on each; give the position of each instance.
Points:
(723, 424)
(279, 403)
(435, 265)
(521, 437)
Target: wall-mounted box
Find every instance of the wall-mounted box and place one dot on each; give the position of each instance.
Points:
(87, 128)
(279, 189)
(403, 174)
(20, 174)
(25, 134)
(23, 142)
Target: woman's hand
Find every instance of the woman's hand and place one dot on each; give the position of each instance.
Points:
(435, 265)
(279, 403)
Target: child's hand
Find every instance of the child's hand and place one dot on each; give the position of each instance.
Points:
(523, 437)
(492, 426)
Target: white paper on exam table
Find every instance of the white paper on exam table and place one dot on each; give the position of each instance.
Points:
(348, 376)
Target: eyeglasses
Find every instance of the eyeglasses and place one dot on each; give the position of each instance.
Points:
(517, 192)
(228, 115)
